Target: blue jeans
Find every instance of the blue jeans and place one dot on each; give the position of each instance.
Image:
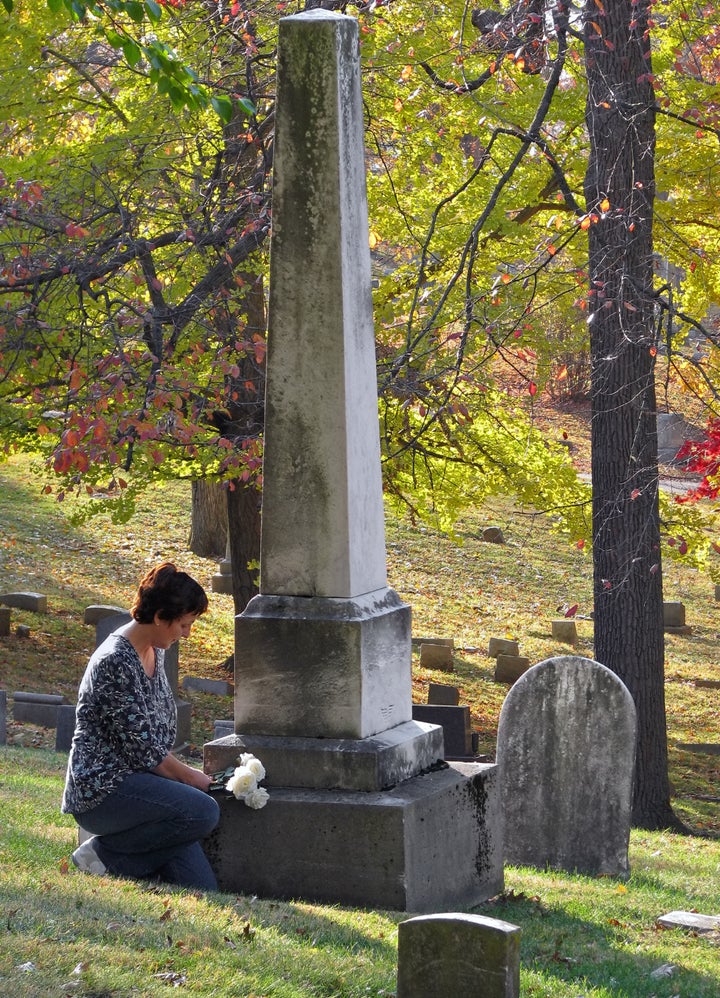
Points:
(151, 827)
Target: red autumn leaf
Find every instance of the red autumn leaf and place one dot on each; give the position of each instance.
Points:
(571, 611)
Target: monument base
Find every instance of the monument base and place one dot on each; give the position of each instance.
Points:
(431, 843)
(367, 764)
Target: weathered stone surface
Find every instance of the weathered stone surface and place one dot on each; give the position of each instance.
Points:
(321, 667)
(436, 656)
(493, 535)
(439, 693)
(323, 652)
(366, 764)
(431, 842)
(97, 611)
(566, 752)
(690, 920)
(448, 642)
(509, 668)
(320, 537)
(65, 727)
(107, 623)
(564, 630)
(25, 601)
(455, 722)
(37, 708)
(674, 614)
(502, 646)
(220, 687)
(453, 954)
(22, 631)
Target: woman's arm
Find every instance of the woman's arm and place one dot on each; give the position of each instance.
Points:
(173, 769)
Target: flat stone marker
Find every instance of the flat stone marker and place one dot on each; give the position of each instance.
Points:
(493, 535)
(37, 708)
(502, 646)
(458, 955)
(690, 920)
(566, 754)
(98, 611)
(220, 687)
(439, 693)
(509, 668)
(564, 630)
(455, 722)
(26, 601)
(436, 656)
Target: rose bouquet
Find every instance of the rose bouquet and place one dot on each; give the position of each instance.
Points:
(242, 781)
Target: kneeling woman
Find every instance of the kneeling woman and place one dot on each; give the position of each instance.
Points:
(146, 810)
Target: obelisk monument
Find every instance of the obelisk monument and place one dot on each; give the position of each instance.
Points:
(362, 807)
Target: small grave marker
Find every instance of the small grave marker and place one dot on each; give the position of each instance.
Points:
(693, 921)
(439, 693)
(493, 535)
(502, 646)
(564, 630)
(509, 668)
(26, 601)
(458, 954)
(436, 656)
(37, 708)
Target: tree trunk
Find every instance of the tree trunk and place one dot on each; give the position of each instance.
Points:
(208, 523)
(620, 189)
(243, 503)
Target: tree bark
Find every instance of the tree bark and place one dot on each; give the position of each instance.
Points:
(208, 522)
(243, 505)
(619, 190)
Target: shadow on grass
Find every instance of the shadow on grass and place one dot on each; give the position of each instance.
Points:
(556, 945)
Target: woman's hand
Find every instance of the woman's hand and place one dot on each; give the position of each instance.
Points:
(173, 769)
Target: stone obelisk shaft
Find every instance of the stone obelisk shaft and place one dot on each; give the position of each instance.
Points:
(322, 519)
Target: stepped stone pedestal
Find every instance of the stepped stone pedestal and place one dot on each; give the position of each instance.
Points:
(363, 809)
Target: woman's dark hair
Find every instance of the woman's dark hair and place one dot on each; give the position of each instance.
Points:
(169, 593)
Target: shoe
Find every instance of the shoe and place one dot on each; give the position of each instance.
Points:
(87, 860)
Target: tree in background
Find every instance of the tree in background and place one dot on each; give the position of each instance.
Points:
(132, 342)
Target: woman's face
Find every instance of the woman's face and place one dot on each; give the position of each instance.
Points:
(167, 632)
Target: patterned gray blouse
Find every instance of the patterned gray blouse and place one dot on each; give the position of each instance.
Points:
(125, 723)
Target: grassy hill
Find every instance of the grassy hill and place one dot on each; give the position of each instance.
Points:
(462, 588)
(64, 933)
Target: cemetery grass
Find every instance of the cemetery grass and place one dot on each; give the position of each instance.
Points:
(65, 933)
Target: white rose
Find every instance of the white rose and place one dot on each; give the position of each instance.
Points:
(256, 768)
(242, 782)
(257, 798)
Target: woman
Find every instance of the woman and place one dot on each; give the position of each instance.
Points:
(146, 810)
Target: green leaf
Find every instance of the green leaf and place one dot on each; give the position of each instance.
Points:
(8, 5)
(154, 10)
(136, 11)
(223, 107)
(248, 107)
(114, 39)
(131, 51)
